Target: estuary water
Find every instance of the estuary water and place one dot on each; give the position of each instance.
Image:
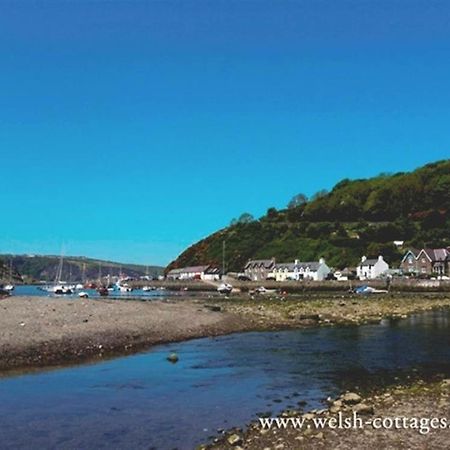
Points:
(145, 402)
(139, 294)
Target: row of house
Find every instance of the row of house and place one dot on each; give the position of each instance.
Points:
(263, 269)
(426, 261)
(207, 272)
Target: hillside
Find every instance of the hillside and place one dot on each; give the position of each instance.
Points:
(37, 267)
(358, 217)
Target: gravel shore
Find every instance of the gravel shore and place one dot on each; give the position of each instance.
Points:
(39, 331)
(403, 417)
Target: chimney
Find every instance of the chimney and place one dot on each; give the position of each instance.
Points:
(380, 258)
(296, 261)
(363, 259)
(321, 261)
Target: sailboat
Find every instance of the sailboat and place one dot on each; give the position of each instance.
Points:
(59, 287)
(102, 290)
(10, 286)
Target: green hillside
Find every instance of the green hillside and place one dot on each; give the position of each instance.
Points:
(358, 217)
(37, 267)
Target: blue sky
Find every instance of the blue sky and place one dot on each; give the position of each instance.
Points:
(131, 129)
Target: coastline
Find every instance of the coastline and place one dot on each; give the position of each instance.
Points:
(42, 331)
(401, 416)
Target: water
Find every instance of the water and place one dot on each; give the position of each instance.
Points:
(143, 401)
(31, 290)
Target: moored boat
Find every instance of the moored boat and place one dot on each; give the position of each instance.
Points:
(224, 288)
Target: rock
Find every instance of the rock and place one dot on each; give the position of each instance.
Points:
(334, 409)
(214, 308)
(363, 408)
(234, 439)
(319, 435)
(350, 398)
(173, 358)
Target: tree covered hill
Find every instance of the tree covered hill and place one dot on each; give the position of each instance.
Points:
(358, 217)
(39, 267)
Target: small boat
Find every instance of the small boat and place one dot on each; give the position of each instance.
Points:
(103, 291)
(83, 294)
(224, 288)
(148, 288)
(123, 287)
(366, 290)
(9, 288)
(60, 289)
(79, 286)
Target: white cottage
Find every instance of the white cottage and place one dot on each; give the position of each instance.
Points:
(314, 270)
(368, 269)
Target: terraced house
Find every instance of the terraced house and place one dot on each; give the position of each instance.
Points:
(427, 261)
(298, 270)
(259, 269)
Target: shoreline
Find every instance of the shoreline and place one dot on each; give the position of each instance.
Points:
(396, 416)
(40, 332)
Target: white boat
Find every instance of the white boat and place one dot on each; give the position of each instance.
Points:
(79, 286)
(224, 288)
(367, 290)
(148, 288)
(61, 289)
(83, 294)
(9, 287)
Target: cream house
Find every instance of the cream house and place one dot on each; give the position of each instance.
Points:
(313, 270)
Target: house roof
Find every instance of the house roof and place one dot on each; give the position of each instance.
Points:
(191, 269)
(312, 265)
(368, 262)
(437, 254)
(414, 251)
(256, 263)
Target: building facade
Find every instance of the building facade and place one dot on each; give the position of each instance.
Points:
(427, 261)
(259, 269)
(368, 269)
(194, 273)
(298, 270)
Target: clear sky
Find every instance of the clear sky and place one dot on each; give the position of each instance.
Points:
(131, 129)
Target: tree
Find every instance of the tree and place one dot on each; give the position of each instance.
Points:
(319, 194)
(298, 200)
(272, 213)
(246, 218)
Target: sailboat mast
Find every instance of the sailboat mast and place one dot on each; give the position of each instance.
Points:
(10, 270)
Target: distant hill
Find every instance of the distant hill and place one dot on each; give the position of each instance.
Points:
(37, 267)
(358, 217)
